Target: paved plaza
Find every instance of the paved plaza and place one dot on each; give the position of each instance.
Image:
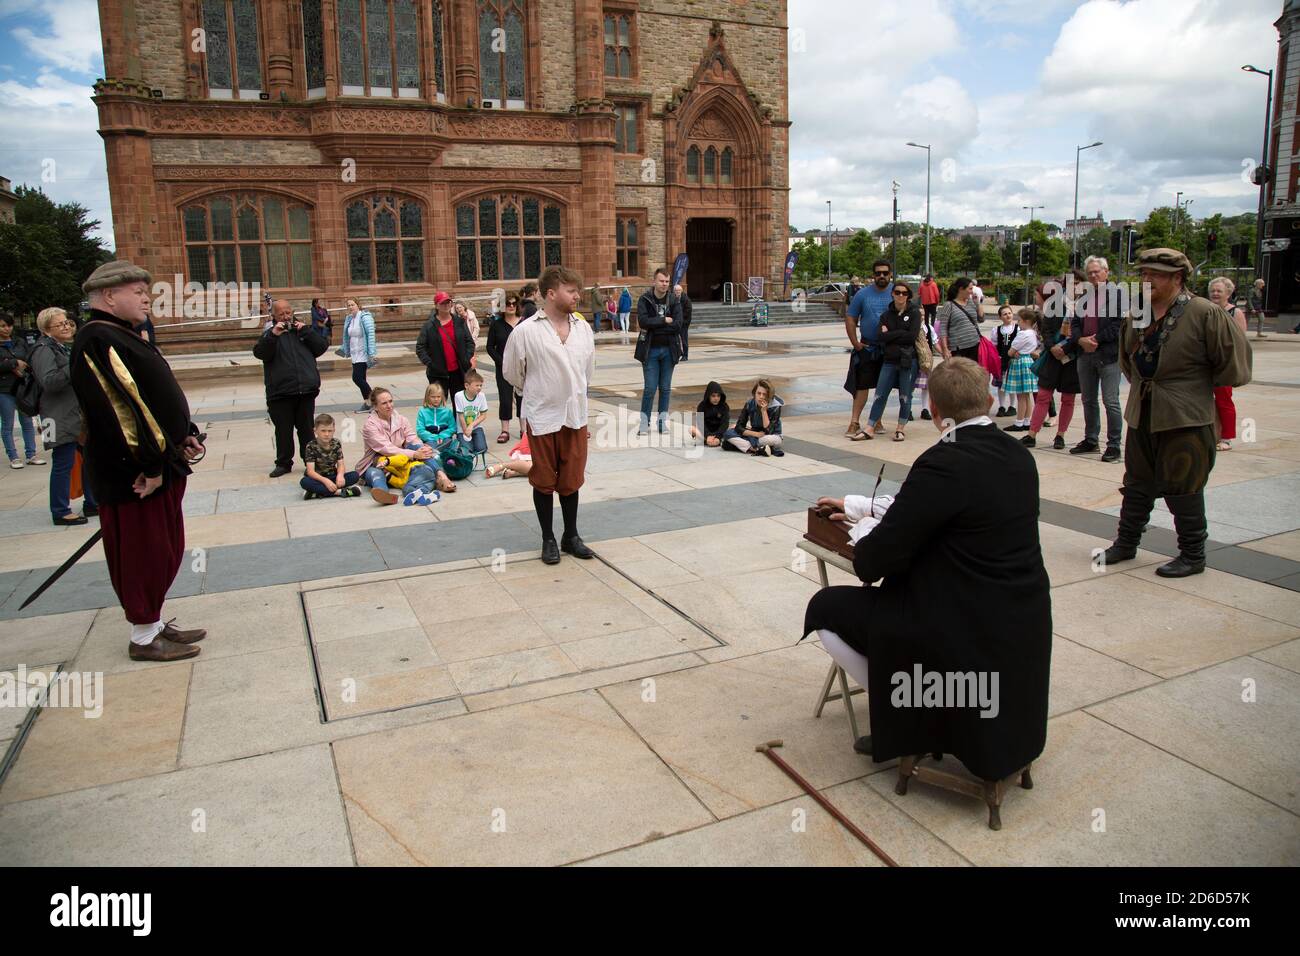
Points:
(411, 685)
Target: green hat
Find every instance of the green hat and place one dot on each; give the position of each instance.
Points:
(1163, 260)
(115, 273)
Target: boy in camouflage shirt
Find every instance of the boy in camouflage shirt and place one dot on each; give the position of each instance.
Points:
(325, 476)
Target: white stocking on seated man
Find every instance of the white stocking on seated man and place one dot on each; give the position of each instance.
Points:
(963, 594)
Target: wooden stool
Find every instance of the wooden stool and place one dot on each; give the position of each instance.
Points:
(990, 791)
(844, 693)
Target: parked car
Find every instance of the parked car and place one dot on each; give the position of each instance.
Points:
(830, 292)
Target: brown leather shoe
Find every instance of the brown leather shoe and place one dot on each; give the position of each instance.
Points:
(161, 649)
(177, 636)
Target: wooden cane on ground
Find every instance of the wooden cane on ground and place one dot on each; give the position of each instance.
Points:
(769, 748)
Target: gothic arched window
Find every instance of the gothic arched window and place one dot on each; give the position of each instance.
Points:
(385, 235)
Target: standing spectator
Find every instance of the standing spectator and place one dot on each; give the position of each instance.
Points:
(624, 308)
(470, 318)
(855, 286)
(862, 323)
(148, 333)
(13, 366)
(551, 359)
(139, 446)
(529, 296)
(288, 351)
(1173, 365)
(1256, 302)
(1055, 375)
(1225, 425)
(321, 323)
(685, 301)
(977, 296)
(497, 337)
(930, 294)
(659, 315)
(1094, 344)
(359, 346)
(959, 324)
(445, 346)
(899, 327)
(51, 363)
(611, 311)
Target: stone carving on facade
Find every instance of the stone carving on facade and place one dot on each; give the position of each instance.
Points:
(210, 120)
(218, 173)
(371, 120)
(503, 126)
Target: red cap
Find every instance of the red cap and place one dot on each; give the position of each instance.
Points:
(440, 297)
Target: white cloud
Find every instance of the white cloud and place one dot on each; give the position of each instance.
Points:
(69, 41)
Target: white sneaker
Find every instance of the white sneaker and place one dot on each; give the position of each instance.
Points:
(16, 463)
(36, 460)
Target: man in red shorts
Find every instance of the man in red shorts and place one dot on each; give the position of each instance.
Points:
(550, 358)
(138, 448)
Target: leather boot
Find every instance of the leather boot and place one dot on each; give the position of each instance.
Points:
(1133, 516)
(1193, 530)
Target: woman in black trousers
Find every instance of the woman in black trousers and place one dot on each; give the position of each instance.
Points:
(498, 334)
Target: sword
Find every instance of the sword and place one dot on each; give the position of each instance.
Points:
(58, 573)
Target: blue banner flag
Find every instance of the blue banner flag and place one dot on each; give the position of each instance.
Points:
(679, 268)
(790, 260)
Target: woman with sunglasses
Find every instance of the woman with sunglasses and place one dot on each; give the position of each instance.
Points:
(498, 334)
(899, 325)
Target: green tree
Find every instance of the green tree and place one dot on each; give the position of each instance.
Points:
(810, 267)
(1095, 242)
(1053, 254)
(1157, 232)
(990, 263)
(80, 252)
(30, 280)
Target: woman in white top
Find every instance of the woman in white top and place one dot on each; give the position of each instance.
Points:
(471, 320)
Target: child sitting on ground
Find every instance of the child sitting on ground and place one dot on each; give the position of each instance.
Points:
(758, 427)
(435, 425)
(716, 416)
(325, 476)
(471, 407)
(411, 475)
(519, 465)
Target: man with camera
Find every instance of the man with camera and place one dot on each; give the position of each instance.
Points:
(288, 350)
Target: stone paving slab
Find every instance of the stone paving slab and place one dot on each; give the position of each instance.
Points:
(280, 809)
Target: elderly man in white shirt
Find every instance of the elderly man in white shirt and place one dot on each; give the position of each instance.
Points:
(550, 358)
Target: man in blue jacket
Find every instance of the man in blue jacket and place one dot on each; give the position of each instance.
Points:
(1094, 344)
(288, 351)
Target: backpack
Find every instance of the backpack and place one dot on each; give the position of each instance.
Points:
(27, 391)
(458, 459)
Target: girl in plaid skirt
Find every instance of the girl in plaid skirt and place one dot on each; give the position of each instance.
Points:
(1020, 380)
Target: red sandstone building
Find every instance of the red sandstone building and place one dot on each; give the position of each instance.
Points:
(387, 148)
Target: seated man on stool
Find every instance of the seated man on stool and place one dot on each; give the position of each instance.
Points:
(964, 596)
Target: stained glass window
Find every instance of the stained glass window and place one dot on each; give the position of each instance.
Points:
(693, 164)
(247, 54)
(217, 39)
(618, 44)
(376, 252)
(352, 63)
(274, 240)
(378, 48)
(710, 164)
(439, 57)
(502, 52)
(406, 40)
(313, 45)
(625, 138)
(232, 48)
(497, 242)
(627, 247)
(725, 167)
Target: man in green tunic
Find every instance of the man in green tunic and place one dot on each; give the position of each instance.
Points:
(1173, 355)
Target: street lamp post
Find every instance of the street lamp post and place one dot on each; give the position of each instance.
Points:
(1260, 176)
(1031, 219)
(1074, 231)
(927, 204)
(1184, 219)
(829, 241)
(1178, 208)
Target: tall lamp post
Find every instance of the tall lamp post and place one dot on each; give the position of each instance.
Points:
(927, 204)
(1178, 209)
(1184, 218)
(1074, 230)
(1262, 173)
(830, 240)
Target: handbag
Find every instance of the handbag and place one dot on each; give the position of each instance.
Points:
(642, 346)
(458, 459)
(990, 359)
(831, 535)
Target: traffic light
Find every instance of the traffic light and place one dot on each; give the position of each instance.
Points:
(1024, 253)
(1131, 252)
(1033, 253)
(1114, 241)
(1238, 253)
(1211, 241)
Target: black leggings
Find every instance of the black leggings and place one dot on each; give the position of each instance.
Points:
(508, 396)
(359, 380)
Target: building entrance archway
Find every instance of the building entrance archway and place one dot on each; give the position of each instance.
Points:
(709, 248)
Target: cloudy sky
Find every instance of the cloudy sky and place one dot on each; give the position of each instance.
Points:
(1003, 90)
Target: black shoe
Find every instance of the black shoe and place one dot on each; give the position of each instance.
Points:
(1134, 512)
(1181, 567)
(1029, 441)
(925, 415)
(780, 453)
(1118, 552)
(1110, 454)
(90, 511)
(1016, 428)
(1084, 447)
(1005, 413)
(69, 520)
(863, 745)
(1058, 442)
(575, 547)
(309, 496)
(550, 551)
(279, 470)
